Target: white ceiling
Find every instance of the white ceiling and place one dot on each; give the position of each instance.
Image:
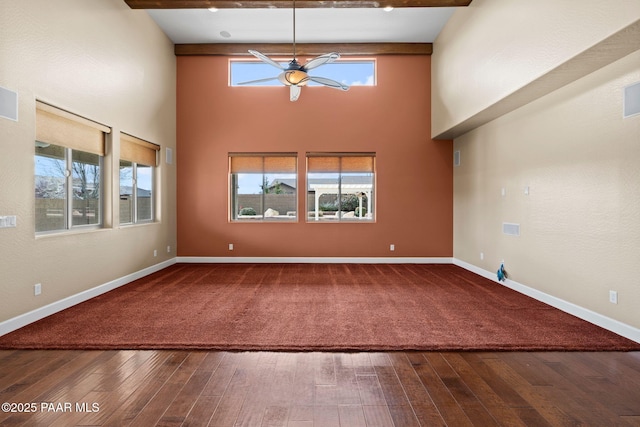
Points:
(331, 25)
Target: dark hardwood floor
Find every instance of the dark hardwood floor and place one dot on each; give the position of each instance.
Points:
(197, 388)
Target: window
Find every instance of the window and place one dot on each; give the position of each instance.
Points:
(263, 187)
(341, 186)
(138, 159)
(350, 72)
(69, 152)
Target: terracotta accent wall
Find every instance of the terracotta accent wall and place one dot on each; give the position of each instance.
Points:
(414, 173)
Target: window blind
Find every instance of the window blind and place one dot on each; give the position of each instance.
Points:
(341, 162)
(138, 150)
(263, 163)
(59, 127)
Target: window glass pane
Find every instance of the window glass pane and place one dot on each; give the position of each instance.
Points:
(126, 192)
(323, 196)
(50, 187)
(86, 175)
(350, 72)
(244, 71)
(280, 196)
(144, 192)
(248, 195)
(357, 196)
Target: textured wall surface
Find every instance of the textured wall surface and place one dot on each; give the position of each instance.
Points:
(414, 173)
(106, 62)
(495, 54)
(580, 222)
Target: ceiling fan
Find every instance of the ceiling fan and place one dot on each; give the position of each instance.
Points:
(295, 75)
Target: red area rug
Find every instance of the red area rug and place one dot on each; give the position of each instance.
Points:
(319, 307)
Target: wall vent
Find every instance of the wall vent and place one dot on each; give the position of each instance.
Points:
(456, 158)
(631, 100)
(511, 229)
(8, 104)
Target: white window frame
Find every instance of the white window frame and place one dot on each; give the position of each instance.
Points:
(341, 188)
(68, 202)
(134, 194)
(234, 205)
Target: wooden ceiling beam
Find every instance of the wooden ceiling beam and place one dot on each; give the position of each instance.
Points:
(305, 49)
(286, 4)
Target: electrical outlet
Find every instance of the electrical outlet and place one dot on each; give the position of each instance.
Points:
(392, 247)
(613, 297)
(168, 249)
(155, 252)
(481, 256)
(230, 246)
(37, 289)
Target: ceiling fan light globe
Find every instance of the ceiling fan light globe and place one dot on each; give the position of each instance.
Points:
(293, 77)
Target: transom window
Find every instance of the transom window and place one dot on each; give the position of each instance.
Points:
(351, 72)
(341, 187)
(263, 187)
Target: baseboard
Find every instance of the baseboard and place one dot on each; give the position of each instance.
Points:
(605, 322)
(49, 309)
(319, 260)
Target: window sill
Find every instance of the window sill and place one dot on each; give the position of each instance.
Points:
(72, 232)
(138, 224)
(264, 221)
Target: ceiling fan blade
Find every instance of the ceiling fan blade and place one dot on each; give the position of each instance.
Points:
(268, 79)
(321, 60)
(294, 92)
(328, 82)
(264, 58)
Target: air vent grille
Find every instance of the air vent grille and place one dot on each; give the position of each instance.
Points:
(632, 100)
(8, 104)
(511, 229)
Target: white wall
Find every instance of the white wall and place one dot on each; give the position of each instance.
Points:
(580, 222)
(104, 61)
